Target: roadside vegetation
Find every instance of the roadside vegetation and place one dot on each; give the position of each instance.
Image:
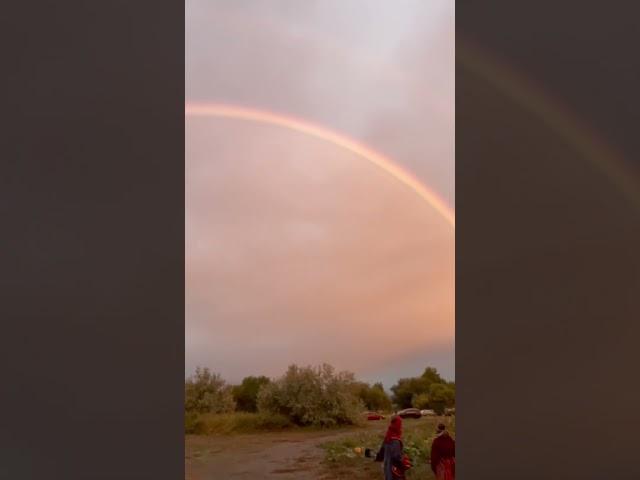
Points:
(235, 422)
(344, 458)
(428, 391)
(303, 397)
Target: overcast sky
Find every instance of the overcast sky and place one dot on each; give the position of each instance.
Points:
(297, 250)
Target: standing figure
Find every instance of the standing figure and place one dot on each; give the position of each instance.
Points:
(443, 455)
(392, 452)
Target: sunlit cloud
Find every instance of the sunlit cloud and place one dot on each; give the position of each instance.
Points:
(297, 249)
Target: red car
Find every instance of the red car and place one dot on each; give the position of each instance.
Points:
(374, 416)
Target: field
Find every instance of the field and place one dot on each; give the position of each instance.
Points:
(303, 453)
(341, 461)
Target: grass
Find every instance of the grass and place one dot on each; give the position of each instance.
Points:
(238, 422)
(341, 460)
(245, 422)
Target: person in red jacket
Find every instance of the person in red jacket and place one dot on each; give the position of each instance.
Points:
(443, 455)
(396, 463)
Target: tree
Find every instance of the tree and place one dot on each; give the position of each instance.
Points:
(378, 399)
(406, 389)
(206, 392)
(246, 394)
(373, 396)
(313, 396)
(420, 401)
(441, 396)
(431, 375)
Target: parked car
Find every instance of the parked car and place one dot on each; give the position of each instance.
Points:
(428, 413)
(410, 413)
(374, 416)
(449, 412)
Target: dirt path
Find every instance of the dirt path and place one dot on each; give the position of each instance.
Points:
(289, 455)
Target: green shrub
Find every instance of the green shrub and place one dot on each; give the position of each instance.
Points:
(429, 390)
(406, 388)
(193, 424)
(317, 396)
(246, 394)
(420, 401)
(206, 392)
(266, 421)
(238, 422)
(373, 396)
(441, 395)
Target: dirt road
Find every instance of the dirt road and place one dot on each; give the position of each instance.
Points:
(288, 455)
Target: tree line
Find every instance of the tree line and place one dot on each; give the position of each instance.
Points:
(318, 395)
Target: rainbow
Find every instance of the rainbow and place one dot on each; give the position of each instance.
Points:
(555, 115)
(327, 135)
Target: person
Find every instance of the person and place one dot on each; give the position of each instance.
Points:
(443, 455)
(392, 452)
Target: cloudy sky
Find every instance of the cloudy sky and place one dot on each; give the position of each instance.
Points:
(297, 249)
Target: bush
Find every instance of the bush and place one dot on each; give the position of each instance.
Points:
(246, 394)
(406, 388)
(239, 422)
(420, 401)
(206, 392)
(194, 424)
(373, 396)
(429, 390)
(441, 395)
(313, 396)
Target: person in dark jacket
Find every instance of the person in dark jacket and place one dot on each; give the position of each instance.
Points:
(391, 451)
(443, 455)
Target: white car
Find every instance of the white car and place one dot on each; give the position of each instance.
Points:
(427, 413)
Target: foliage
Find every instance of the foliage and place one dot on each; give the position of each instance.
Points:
(373, 396)
(441, 395)
(237, 422)
(431, 375)
(317, 396)
(193, 423)
(420, 400)
(246, 394)
(342, 460)
(206, 392)
(429, 390)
